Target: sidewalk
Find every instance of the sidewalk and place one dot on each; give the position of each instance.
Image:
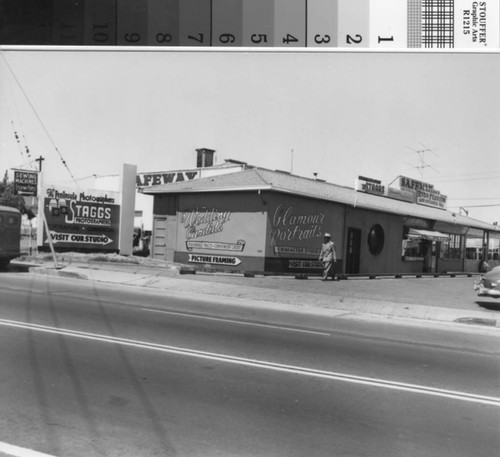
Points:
(445, 300)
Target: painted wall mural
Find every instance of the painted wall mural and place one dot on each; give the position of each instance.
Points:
(295, 232)
(204, 221)
(220, 230)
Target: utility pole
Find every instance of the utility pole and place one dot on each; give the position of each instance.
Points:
(39, 160)
(41, 215)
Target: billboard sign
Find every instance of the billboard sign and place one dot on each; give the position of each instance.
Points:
(166, 177)
(400, 194)
(425, 192)
(25, 183)
(85, 220)
(158, 178)
(370, 186)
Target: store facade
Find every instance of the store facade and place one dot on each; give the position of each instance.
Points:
(260, 220)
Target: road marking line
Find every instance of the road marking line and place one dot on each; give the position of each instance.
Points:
(290, 329)
(17, 451)
(375, 382)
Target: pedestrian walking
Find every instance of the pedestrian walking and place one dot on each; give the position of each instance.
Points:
(328, 256)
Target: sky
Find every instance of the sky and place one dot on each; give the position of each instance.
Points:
(434, 117)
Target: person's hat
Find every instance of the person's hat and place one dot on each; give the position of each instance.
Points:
(328, 235)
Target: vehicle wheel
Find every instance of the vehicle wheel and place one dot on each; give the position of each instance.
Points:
(4, 263)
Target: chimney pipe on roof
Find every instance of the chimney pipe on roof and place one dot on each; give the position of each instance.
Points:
(204, 158)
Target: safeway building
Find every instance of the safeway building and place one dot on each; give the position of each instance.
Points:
(262, 220)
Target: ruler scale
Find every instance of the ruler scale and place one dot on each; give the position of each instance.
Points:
(227, 23)
(162, 22)
(345, 24)
(100, 23)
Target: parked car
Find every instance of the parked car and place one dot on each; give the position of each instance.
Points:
(489, 284)
(10, 235)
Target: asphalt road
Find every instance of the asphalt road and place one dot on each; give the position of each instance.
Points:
(96, 370)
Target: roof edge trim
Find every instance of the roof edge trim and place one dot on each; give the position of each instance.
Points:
(198, 191)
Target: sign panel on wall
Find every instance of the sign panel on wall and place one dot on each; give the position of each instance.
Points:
(401, 194)
(81, 219)
(425, 192)
(221, 230)
(203, 222)
(167, 177)
(25, 183)
(370, 185)
(295, 233)
(214, 259)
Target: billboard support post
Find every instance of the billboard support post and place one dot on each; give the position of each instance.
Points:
(54, 257)
(127, 192)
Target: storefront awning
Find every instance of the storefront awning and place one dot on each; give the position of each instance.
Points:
(428, 235)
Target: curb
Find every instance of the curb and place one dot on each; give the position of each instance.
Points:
(191, 270)
(57, 272)
(355, 308)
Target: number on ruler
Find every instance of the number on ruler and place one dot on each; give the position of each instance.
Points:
(132, 37)
(259, 38)
(385, 39)
(290, 39)
(163, 38)
(199, 39)
(99, 35)
(227, 38)
(350, 40)
(322, 39)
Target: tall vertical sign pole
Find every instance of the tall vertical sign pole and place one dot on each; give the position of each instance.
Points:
(39, 228)
(40, 203)
(127, 209)
(30, 242)
(41, 215)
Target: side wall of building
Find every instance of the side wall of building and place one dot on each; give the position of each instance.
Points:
(282, 233)
(295, 229)
(389, 259)
(219, 229)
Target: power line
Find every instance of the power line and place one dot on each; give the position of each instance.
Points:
(39, 118)
(482, 178)
(26, 148)
(468, 176)
(474, 198)
(14, 129)
(478, 206)
(475, 173)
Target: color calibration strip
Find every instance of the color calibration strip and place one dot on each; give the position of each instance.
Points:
(453, 24)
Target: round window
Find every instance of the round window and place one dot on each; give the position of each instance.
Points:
(376, 239)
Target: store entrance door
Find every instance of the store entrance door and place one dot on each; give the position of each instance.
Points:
(431, 255)
(159, 245)
(353, 250)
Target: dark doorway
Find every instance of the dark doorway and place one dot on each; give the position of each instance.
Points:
(353, 250)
